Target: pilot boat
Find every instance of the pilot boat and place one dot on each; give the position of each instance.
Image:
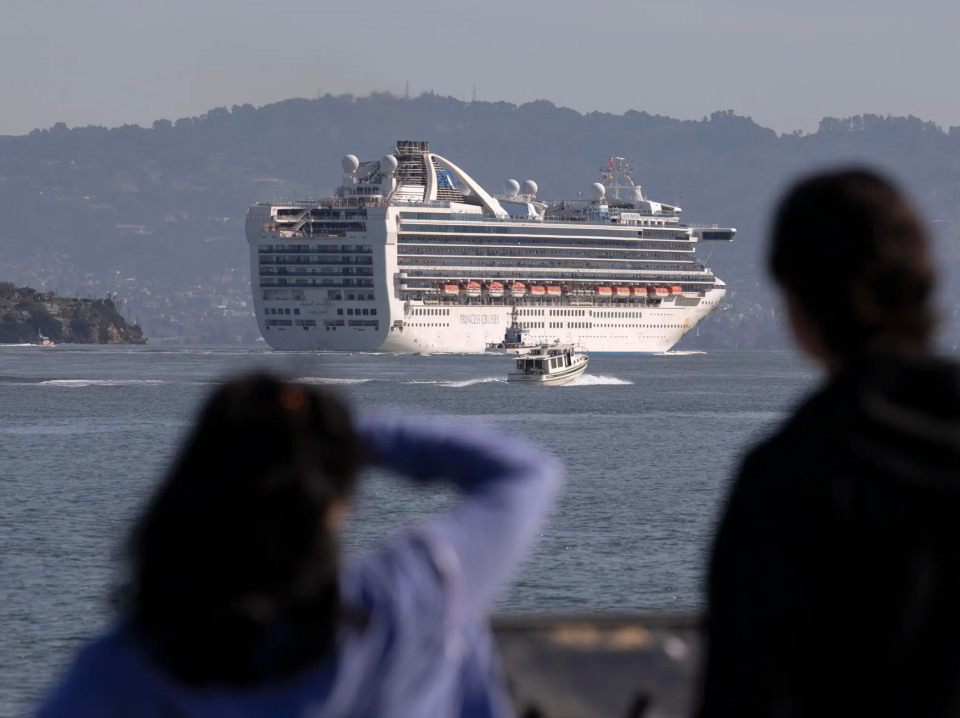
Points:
(549, 365)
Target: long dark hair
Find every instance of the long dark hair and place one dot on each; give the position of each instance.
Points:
(851, 251)
(233, 569)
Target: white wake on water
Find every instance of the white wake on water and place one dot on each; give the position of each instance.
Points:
(678, 353)
(471, 382)
(325, 380)
(597, 380)
(98, 382)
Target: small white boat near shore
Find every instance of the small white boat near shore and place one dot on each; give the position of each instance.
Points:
(549, 365)
(42, 341)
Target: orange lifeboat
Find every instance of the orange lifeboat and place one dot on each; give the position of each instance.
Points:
(471, 289)
(517, 290)
(495, 289)
(605, 292)
(657, 292)
(621, 292)
(536, 291)
(450, 290)
(676, 290)
(638, 292)
(554, 291)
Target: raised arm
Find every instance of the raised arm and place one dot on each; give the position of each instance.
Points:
(508, 489)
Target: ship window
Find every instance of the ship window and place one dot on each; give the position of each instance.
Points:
(266, 311)
(340, 312)
(296, 311)
(373, 312)
(350, 312)
(366, 312)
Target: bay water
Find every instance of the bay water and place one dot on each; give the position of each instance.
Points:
(649, 444)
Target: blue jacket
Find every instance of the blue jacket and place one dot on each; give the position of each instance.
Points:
(425, 651)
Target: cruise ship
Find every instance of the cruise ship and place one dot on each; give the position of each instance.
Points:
(411, 254)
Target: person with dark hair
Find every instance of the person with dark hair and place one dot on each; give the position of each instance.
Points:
(834, 585)
(239, 602)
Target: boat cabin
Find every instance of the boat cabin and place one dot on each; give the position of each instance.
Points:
(545, 359)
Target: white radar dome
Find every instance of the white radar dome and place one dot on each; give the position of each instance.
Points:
(511, 188)
(388, 164)
(528, 187)
(350, 164)
(597, 191)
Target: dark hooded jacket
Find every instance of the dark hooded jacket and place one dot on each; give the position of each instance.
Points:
(835, 579)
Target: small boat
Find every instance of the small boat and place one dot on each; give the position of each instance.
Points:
(495, 289)
(604, 292)
(639, 292)
(512, 339)
(549, 365)
(537, 291)
(42, 341)
(657, 292)
(471, 289)
(517, 290)
(621, 292)
(676, 290)
(554, 291)
(450, 290)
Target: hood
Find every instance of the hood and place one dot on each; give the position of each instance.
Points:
(900, 418)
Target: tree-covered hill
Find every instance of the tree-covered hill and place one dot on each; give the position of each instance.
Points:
(157, 213)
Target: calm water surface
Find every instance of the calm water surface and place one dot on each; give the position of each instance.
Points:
(649, 443)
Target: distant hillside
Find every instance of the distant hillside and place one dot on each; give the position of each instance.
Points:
(158, 211)
(25, 312)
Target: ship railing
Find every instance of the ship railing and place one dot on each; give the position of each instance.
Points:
(316, 250)
(703, 226)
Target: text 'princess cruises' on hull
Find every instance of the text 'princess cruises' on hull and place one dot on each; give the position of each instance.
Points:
(410, 254)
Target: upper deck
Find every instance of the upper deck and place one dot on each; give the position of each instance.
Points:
(426, 187)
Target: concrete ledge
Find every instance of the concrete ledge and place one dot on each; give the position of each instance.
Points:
(600, 665)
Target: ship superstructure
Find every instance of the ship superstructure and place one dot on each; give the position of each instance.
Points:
(410, 254)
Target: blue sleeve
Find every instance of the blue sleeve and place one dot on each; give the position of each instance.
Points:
(508, 488)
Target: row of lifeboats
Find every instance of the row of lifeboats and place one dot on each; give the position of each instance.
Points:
(518, 289)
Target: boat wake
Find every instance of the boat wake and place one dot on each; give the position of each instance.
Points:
(472, 382)
(324, 380)
(597, 380)
(452, 383)
(678, 354)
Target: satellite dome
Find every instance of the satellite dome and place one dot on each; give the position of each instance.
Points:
(388, 164)
(350, 164)
(597, 191)
(511, 188)
(528, 187)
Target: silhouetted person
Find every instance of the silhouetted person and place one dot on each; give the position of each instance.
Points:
(835, 582)
(241, 604)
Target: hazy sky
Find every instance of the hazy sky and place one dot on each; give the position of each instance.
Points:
(786, 64)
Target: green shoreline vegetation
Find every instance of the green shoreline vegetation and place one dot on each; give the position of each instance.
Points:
(25, 312)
